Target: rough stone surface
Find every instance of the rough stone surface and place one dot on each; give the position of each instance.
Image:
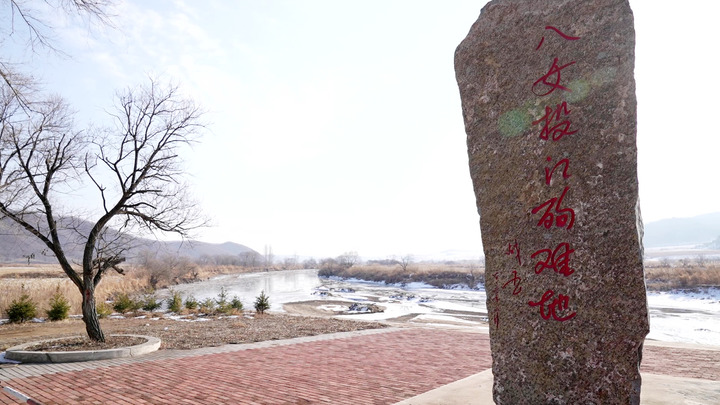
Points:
(548, 98)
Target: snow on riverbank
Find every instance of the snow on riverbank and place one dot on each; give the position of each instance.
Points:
(685, 316)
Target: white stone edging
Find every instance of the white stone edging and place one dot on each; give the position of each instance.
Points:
(18, 353)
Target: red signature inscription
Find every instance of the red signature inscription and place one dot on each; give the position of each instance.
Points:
(514, 249)
(496, 316)
(551, 309)
(515, 280)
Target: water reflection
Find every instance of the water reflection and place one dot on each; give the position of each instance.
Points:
(280, 286)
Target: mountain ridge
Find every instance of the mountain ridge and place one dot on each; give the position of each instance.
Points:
(17, 244)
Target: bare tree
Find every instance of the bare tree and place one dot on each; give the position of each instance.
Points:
(134, 167)
(249, 259)
(290, 263)
(165, 269)
(268, 257)
(25, 21)
(405, 261)
(310, 263)
(348, 259)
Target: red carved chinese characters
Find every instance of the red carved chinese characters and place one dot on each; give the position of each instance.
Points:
(558, 259)
(549, 173)
(550, 128)
(555, 126)
(565, 36)
(555, 71)
(561, 217)
(550, 309)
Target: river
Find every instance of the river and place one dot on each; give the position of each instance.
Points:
(690, 317)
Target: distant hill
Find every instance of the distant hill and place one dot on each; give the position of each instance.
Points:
(16, 244)
(682, 231)
(197, 249)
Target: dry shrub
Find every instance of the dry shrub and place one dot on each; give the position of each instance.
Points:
(162, 270)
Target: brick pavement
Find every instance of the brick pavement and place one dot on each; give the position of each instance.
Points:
(372, 368)
(703, 363)
(368, 367)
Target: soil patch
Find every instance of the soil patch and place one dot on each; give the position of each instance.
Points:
(189, 333)
(83, 343)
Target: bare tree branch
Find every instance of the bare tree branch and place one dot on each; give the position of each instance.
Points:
(27, 21)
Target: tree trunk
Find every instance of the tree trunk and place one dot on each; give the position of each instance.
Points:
(90, 316)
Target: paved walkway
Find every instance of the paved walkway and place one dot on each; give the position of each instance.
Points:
(369, 367)
(375, 367)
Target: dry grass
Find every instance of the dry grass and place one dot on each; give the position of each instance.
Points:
(435, 274)
(40, 283)
(659, 278)
(207, 271)
(668, 278)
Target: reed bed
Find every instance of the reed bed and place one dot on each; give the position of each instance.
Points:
(41, 282)
(670, 278)
(436, 274)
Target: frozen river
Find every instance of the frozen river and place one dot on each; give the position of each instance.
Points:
(675, 317)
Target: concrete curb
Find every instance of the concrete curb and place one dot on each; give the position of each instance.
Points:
(18, 353)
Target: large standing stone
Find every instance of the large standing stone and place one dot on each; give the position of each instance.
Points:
(548, 99)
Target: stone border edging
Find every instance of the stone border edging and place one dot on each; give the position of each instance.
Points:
(26, 356)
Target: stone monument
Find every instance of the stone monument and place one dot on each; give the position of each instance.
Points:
(548, 99)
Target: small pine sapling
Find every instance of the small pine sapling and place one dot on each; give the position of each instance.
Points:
(175, 303)
(59, 306)
(236, 304)
(191, 303)
(262, 303)
(22, 309)
(123, 303)
(223, 305)
(103, 309)
(150, 303)
(207, 306)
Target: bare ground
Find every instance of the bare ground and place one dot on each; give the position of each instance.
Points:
(177, 334)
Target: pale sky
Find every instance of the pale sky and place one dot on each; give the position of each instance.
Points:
(336, 126)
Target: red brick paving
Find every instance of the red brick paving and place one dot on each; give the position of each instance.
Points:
(373, 369)
(680, 362)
